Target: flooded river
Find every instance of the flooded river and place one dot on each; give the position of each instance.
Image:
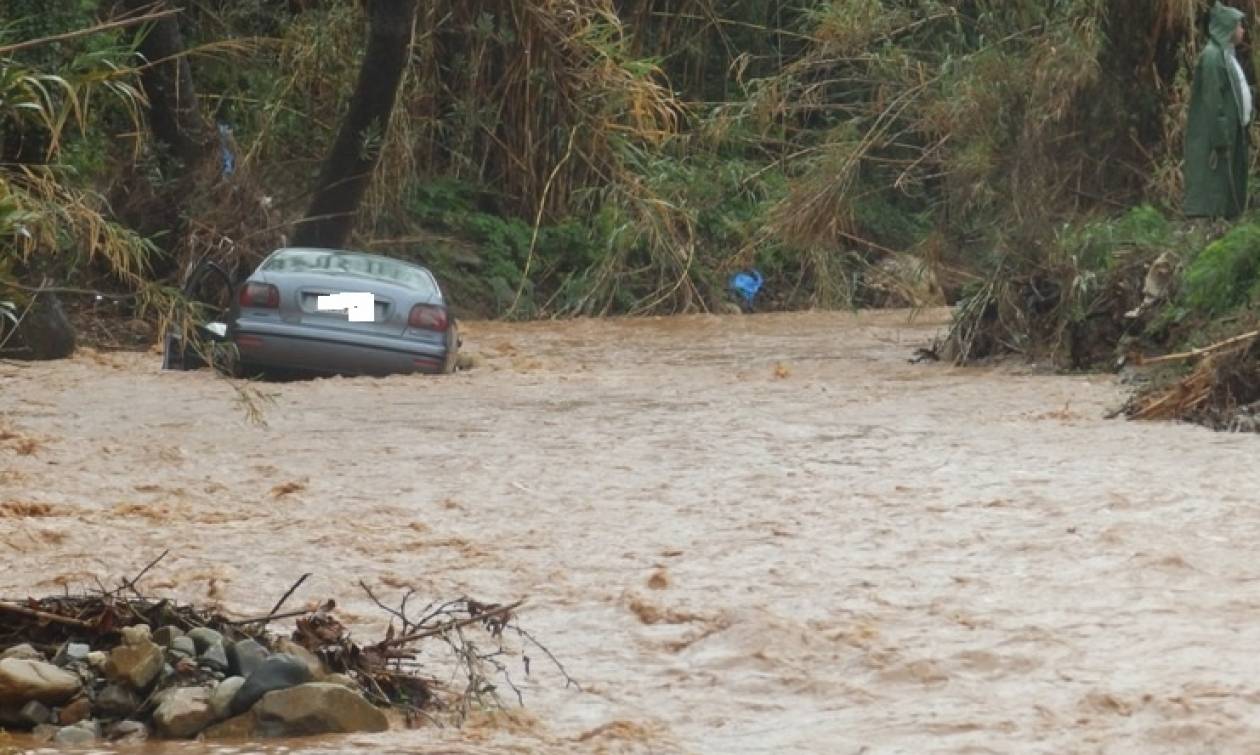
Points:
(740, 534)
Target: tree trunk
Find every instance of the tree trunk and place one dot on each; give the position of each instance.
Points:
(174, 116)
(347, 171)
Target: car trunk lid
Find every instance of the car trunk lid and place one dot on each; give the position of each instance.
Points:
(385, 316)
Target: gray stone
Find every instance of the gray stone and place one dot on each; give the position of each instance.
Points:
(317, 708)
(116, 700)
(137, 634)
(343, 680)
(245, 656)
(238, 727)
(128, 732)
(22, 681)
(44, 732)
(164, 635)
(35, 713)
(72, 652)
(279, 671)
(183, 712)
(74, 736)
(23, 652)
(221, 696)
(183, 647)
(157, 698)
(312, 661)
(214, 658)
(137, 665)
(204, 637)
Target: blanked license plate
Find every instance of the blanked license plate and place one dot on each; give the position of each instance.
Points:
(310, 304)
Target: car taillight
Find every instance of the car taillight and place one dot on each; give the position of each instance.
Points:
(427, 317)
(260, 295)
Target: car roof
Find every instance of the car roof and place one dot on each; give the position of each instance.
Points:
(345, 252)
(389, 271)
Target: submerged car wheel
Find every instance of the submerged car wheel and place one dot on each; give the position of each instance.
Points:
(452, 350)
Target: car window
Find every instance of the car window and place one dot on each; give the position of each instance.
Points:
(317, 261)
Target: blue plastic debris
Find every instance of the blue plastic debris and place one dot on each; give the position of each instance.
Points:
(745, 285)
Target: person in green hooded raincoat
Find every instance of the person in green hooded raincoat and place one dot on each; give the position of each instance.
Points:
(1217, 140)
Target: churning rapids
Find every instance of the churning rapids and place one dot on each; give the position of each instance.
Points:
(740, 534)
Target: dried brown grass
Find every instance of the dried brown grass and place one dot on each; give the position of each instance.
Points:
(1220, 383)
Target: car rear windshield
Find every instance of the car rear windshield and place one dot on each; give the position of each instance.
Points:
(317, 261)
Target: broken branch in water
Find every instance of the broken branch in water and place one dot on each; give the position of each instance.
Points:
(279, 603)
(43, 616)
(568, 680)
(130, 584)
(488, 616)
(326, 606)
(400, 613)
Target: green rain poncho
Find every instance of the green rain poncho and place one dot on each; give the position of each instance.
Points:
(1216, 133)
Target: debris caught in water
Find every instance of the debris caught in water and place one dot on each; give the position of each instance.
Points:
(116, 665)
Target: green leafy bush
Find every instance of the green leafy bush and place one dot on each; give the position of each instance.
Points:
(1224, 275)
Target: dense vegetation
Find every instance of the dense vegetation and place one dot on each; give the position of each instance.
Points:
(564, 157)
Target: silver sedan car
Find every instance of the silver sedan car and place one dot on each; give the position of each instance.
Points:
(330, 311)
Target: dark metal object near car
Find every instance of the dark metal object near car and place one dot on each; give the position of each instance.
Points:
(178, 355)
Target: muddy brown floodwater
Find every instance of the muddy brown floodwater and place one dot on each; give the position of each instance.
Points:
(740, 534)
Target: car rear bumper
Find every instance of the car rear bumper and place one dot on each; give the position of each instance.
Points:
(294, 347)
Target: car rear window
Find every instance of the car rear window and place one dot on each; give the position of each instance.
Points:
(318, 261)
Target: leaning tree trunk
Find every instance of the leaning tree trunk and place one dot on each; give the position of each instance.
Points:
(174, 116)
(185, 139)
(348, 168)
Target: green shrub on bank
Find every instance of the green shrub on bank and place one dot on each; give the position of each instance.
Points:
(1094, 244)
(1226, 274)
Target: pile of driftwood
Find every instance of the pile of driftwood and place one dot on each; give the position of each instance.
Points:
(1220, 389)
(117, 664)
